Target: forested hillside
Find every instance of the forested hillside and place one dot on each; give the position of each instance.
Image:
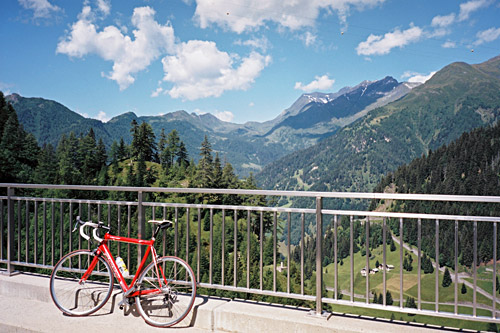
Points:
(18, 149)
(468, 166)
(84, 160)
(248, 147)
(457, 99)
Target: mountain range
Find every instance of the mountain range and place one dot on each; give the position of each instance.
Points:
(343, 141)
(248, 147)
(457, 99)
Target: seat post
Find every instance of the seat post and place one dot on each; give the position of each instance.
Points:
(156, 231)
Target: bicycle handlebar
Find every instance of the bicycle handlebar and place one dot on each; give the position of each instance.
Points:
(96, 227)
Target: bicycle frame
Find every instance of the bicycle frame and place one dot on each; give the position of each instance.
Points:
(127, 289)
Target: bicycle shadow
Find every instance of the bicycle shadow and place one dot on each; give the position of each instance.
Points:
(131, 310)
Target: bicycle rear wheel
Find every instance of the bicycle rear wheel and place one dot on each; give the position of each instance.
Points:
(169, 304)
(73, 296)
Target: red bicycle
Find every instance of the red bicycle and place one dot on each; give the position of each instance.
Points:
(82, 281)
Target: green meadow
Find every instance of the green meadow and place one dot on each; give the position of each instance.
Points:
(446, 296)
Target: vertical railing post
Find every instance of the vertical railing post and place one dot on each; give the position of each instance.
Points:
(141, 225)
(10, 231)
(319, 254)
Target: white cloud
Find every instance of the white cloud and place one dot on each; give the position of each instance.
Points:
(157, 92)
(471, 6)
(41, 8)
(104, 6)
(102, 116)
(199, 69)
(226, 116)
(320, 83)
(443, 21)
(256, 43)
(308, 38)
(417, 77)
(83, 114)
(251, 104)
(250, 16)
(487, 36)
(449, 45)
(379, 45)
(129, 56)
(437, 33)
(5, 88)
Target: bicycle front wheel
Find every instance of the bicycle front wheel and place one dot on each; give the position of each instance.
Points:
(75, 295)
(169, 303)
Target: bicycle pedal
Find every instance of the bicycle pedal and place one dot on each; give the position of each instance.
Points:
(123, 303)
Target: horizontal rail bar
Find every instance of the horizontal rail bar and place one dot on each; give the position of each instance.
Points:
(338, 195)
(270, 209)
(410, 310)
(79, 201)
(412, 215)
(257, 291)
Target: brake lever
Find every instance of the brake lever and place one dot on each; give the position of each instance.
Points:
(78, 221)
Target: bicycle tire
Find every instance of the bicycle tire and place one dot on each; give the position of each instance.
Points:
(175, 300)
(74, 298)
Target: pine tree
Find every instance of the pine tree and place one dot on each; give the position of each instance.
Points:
(46, 170)
(143, 142)
(206, 222)
(122, 150)
(162, 145)
(446, 278)
(131, 179)
(407, 263)
(229, 179)
(68, 160)
(173, 146)
(182, 155)
(492, 327)
(429, 268)
(30, 149)
(217, 172)
(134, 147)
(464, 288)
(87, 157)
(388, 298)
(10, 146)
(205, 165)
(393, 246)
(113, 152)
(140, 179)
(410, 302)
(4, 112)
(101, 156)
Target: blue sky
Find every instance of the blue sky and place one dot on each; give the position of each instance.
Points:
(241, 60)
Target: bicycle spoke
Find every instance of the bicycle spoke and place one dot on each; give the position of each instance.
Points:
(173, 299)
(71, 293)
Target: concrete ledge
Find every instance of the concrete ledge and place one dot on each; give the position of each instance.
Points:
(27, 307)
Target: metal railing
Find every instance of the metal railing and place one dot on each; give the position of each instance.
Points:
(236, 248)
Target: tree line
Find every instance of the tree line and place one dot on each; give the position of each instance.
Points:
(82, 158)
(469, 165)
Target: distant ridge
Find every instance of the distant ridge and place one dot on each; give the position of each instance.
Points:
(248, 147)
(457, 99)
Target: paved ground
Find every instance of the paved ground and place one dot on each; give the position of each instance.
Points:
(26, 306)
